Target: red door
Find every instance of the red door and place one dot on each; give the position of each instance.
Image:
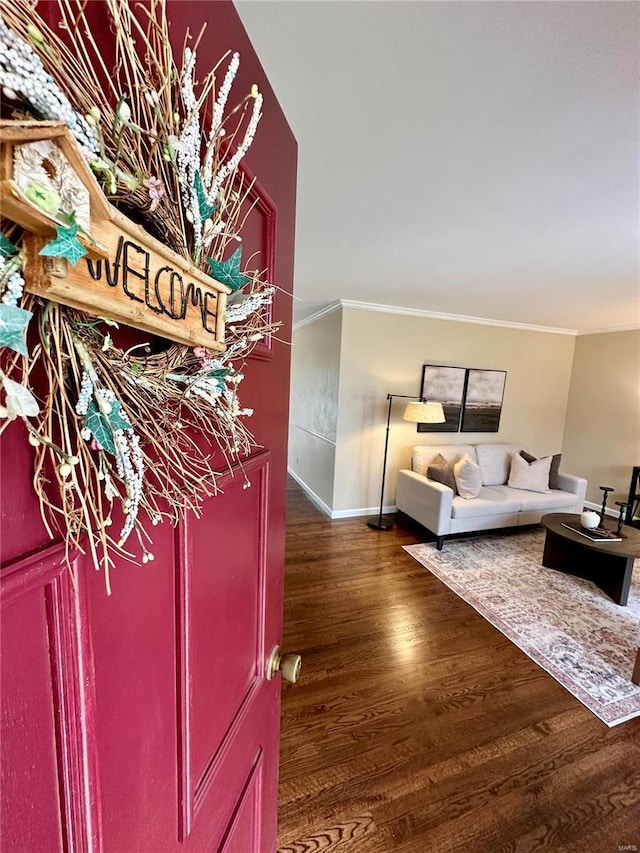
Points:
(144, 721)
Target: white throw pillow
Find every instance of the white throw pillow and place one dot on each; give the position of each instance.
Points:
(531, 476)
(468, 477)
(495, 462)
(422, 456)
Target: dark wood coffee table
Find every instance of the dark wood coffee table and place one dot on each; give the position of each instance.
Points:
(607, 564)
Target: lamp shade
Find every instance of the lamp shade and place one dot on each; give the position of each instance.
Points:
(424, 413)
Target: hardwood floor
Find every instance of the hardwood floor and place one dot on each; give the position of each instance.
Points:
(416, 726)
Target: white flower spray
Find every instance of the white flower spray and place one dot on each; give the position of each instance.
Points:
(23, 75)
(216, 121)
(240, 310)
(227, 168)
(188, 148)
(126, 443)
(187, 151)
(11, 280)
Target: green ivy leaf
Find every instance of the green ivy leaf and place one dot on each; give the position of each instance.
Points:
(102, 426)
(204, 207)
(228, 272)
(13, 325)
(218, 375)
(36, 38)
(7, 249)
(43, 197)
(66, 245)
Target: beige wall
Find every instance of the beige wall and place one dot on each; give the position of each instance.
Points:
(315, 374)
(384, 353)
(602, 432)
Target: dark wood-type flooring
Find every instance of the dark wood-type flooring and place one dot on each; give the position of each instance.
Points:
(417, 726)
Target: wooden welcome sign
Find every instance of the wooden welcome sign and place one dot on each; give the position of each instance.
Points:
(127, 275)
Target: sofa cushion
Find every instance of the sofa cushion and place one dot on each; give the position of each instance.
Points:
(489, 502)
(527, 501)
(423, 454)
(468, 477)
(532, 476)
(554, 471)
(495, 462)
(440, 471)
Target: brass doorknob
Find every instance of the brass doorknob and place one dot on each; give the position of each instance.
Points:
(288, 665)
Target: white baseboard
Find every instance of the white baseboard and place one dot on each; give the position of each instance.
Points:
(335, 514)
(614, 513)
(354, 513)
(321, 505)
(339, 513)
(597, 507)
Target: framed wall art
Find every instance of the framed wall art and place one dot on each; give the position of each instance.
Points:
(483, 400)
(444, 385)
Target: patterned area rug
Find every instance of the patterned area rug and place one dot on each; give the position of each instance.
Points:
(565, 624)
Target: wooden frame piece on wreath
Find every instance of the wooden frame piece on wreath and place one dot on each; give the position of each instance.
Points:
(127, 275)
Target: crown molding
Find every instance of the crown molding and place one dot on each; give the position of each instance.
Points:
(454, 318)
(317, 314)
(633, 328)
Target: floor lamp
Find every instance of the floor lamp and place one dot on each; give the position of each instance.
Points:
(418, 412)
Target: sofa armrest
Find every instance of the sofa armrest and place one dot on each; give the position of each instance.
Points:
(575, 485)
(426, 501)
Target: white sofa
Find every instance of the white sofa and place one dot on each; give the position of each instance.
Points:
(498, 505)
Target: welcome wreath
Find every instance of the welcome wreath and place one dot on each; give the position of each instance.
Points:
(116, 425)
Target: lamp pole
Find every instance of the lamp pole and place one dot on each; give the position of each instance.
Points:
(378, 522)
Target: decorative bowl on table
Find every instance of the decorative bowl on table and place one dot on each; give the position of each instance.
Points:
(589, 520)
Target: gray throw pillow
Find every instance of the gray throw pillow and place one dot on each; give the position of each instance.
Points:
(554, 480)
(440, 471)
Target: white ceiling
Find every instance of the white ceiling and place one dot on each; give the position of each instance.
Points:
(467, 158)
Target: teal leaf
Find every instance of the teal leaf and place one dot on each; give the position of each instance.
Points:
(66, 245)
(228, 272)
(204, 207)
(13, 325)
(70, 219)
(118, 418)
(102, 426)
(218, 375)
(6, 246)
(99, 427)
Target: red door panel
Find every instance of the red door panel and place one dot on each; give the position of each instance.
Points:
(227, 586)
(244, 832)
(49, 785)
(134, 643)
(27, 684)
(224, 572)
